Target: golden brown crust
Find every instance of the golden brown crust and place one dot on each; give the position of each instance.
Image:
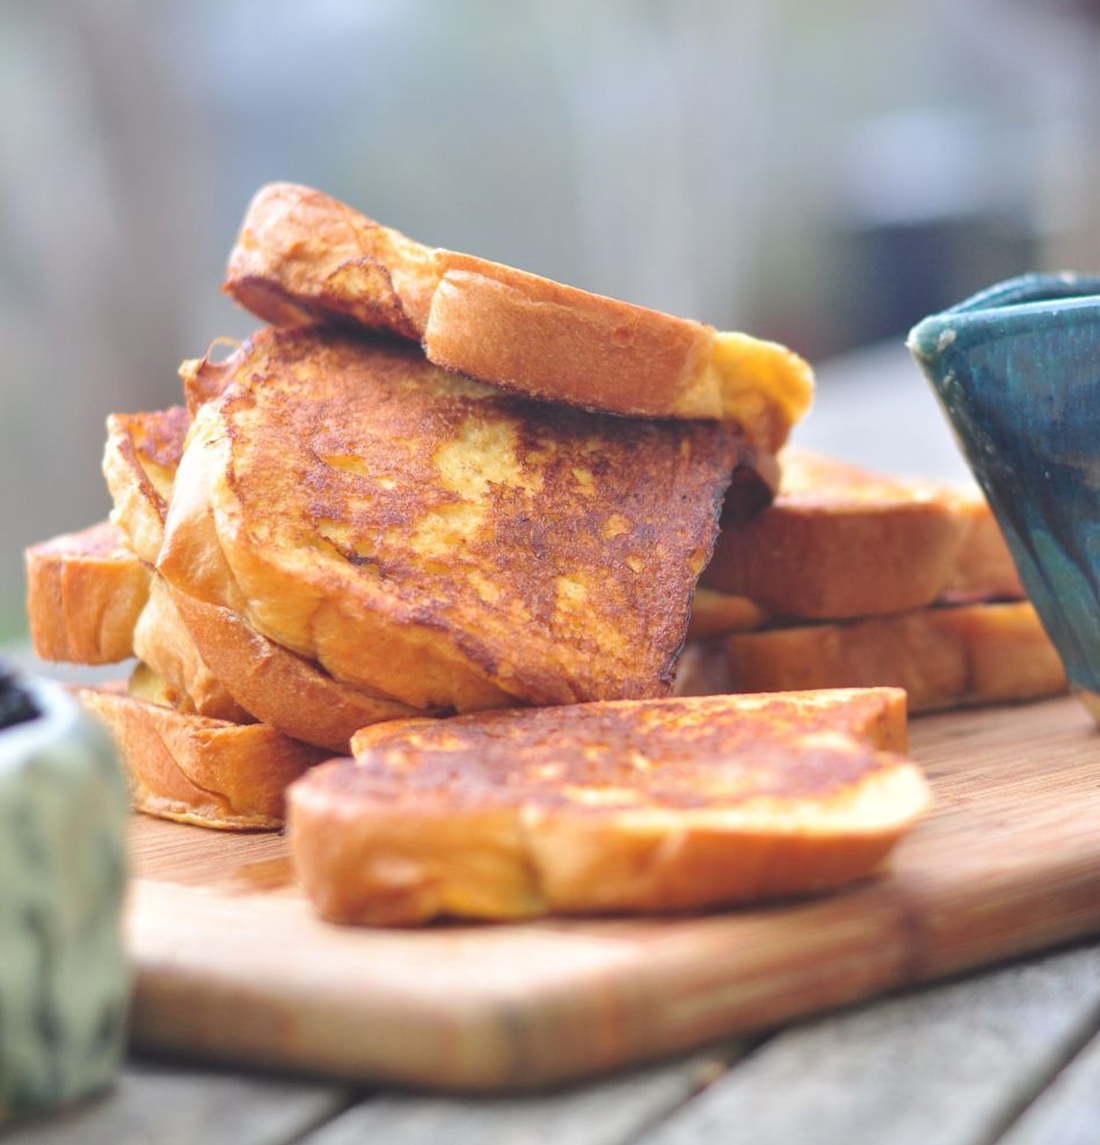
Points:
(633, 806)
(984, 568)
(302, 256)
(163, 641)
(278, 687)
(557, 343)
(85, 592)
(198, 770)
(214, 662)
(841, 542)
(205, 378)
(139, 463)
(943, 657)
(401, 526)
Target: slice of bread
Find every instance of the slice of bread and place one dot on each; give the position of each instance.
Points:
(943, 657)
(198, 770)
(85, 592)
(302, 256)
(217, 663)
(842, 542)
(139, 463)
(163, 642)
(277, 686)
(615, 807)
(440, 541)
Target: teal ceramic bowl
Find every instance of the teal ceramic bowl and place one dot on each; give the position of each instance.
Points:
(1017, 369)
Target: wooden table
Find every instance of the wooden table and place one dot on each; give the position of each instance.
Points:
(1009, 1056)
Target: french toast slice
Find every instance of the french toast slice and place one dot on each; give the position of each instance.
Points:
(635, 806)
(85, 592)
(841, 542)
(286, 691)
(139, 464)
(162, 641)
(438, 540)
(216, 662)
(194, 769)
(943, 657)
(303, 257)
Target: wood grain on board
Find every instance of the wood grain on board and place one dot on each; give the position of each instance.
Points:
(232, 965)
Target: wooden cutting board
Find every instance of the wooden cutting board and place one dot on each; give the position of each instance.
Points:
(231, 965)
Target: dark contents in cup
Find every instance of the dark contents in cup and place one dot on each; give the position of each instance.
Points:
(16, 706)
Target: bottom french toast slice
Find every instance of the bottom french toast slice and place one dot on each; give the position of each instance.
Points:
(943, 657)
(628, 806)
(194, 769)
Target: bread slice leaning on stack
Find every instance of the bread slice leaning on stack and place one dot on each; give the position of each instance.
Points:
(269, 681)
(633, 806)
(852, 579)
(441, 542)
(301, 257)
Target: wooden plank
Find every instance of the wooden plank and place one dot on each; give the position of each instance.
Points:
(1068, 1112)
(165, 1105)
(949, 1066)
(606, 1113)
(232, 964)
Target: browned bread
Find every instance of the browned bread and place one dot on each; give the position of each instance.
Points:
(199, 770)
(279, 688)
(984, 569)
(636, 806)
(85, 592)
(139, 463)
(841, 542)
(302, 256)
(943, 657)
(439, 541)
(163, 642)
(215, 662)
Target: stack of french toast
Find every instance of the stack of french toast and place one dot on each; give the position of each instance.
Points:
(851, 578)
(443, 520)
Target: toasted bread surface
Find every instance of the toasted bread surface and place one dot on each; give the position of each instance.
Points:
(943, 657)
(842, 542)
(163, 642)
(632, 806)
(199, 770)
(214, 661)
(984, 569)
(401, 526)
(302, 256)
(85, 592)
(139, 463)
(280, 688)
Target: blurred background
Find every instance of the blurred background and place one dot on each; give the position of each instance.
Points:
(824, 174)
